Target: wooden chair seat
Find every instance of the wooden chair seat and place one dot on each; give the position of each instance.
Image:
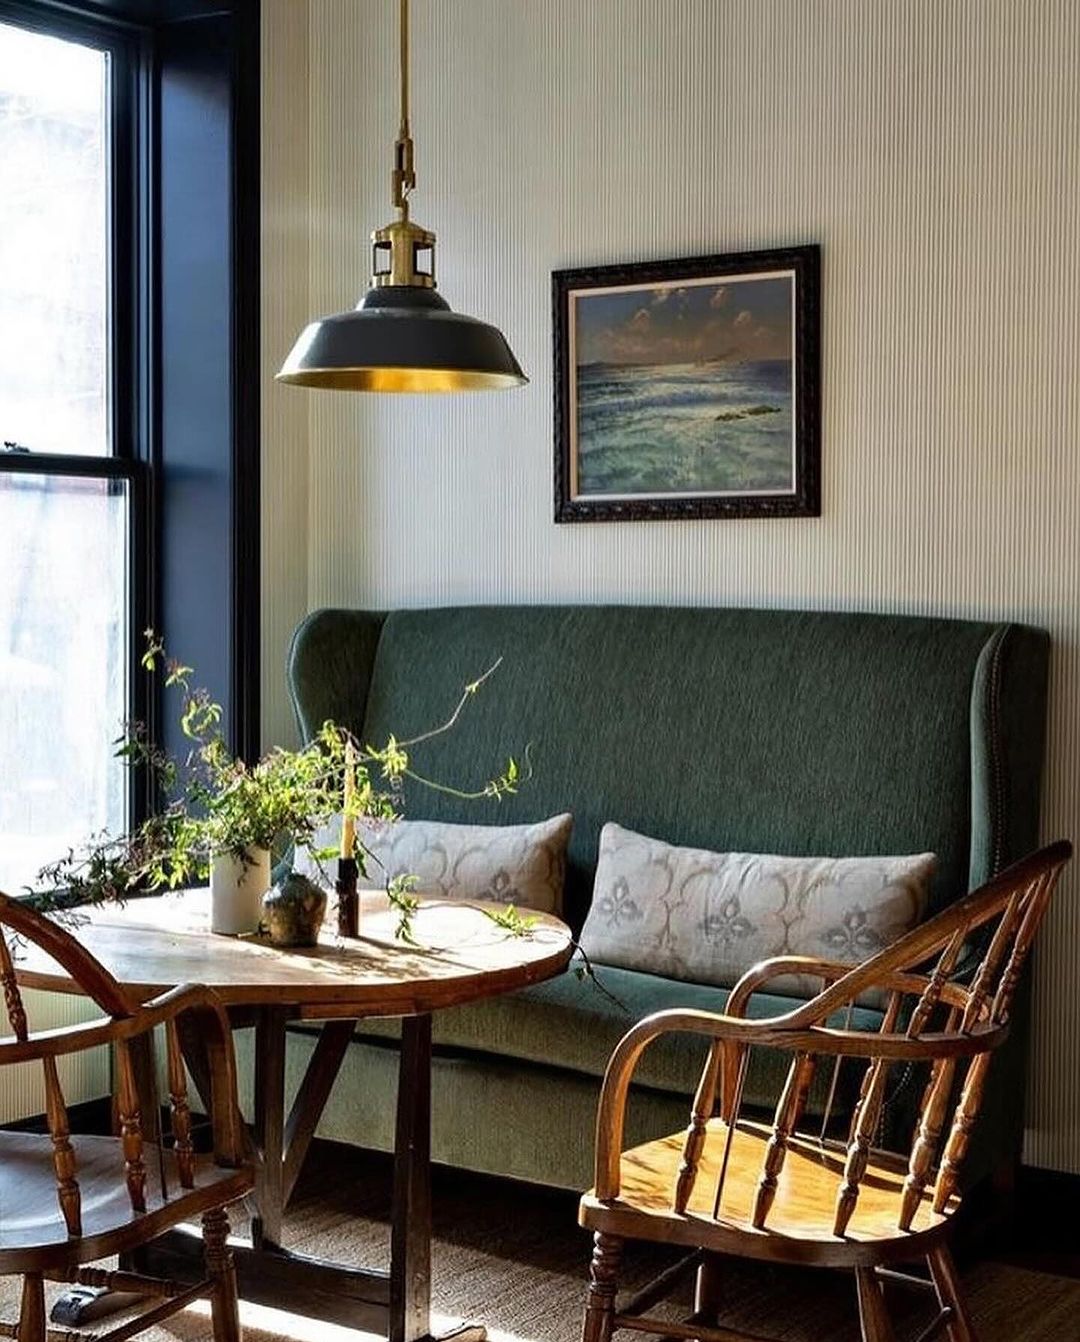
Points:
(33, 1235)
(804, 1210)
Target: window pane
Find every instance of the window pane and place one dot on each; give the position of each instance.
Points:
(54, 262)
(63, 666)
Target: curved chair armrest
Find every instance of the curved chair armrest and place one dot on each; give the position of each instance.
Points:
(168, 1005)
(107, 1029)
(65, 1039)
(776, 1033)
(830, 972)
(765, 970)
(62, 1039)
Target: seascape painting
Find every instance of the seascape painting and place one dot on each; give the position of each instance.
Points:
(685, 390)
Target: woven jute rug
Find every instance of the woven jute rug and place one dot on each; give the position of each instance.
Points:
(513, 1258)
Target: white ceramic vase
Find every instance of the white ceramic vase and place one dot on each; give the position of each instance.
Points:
(237, 886)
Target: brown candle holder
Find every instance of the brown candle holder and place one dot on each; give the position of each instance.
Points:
(348, 914)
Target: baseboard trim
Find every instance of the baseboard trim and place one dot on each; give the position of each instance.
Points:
(93, 1117)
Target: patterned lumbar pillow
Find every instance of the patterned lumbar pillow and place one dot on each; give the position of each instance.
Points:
(687, 913)
(523, 865)
(512, 864)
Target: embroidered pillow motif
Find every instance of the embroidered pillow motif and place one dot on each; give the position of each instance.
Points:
(524, 865)
(704, 917)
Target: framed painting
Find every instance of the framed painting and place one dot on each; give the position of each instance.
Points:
(689, 388)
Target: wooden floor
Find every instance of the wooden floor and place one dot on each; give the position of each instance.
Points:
(519, 1266)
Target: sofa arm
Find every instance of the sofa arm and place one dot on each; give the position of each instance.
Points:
(330, 664)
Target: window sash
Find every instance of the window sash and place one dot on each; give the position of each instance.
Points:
(128, 223)
(129, 229)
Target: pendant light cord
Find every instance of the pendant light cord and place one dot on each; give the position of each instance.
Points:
(404, 175)
(404, 32)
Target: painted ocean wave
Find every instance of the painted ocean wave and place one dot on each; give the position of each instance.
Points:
(685, 428)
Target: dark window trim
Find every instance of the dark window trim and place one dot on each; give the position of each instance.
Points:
(211, 57)
(247, 369)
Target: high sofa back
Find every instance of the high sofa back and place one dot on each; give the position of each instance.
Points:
(787, 732)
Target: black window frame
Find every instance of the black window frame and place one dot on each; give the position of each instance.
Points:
(150, 43)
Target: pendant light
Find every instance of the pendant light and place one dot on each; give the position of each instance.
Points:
(402, 336)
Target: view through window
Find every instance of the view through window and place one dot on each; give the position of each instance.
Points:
(64, 578)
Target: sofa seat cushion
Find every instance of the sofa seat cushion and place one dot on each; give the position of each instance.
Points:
(570, 1024)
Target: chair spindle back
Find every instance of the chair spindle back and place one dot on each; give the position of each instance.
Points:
(91, 977)
(934, 1013)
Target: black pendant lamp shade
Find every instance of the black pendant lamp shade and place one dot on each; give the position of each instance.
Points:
(402, 336)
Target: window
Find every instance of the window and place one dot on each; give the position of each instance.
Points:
(129, 392)
(70, 484)
(54, 250)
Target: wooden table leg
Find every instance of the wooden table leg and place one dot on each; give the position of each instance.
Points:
(195, 1059)
(322, 1070)
(269, 1125)
(410, 1229)
(141, 1050)
(410, 1232)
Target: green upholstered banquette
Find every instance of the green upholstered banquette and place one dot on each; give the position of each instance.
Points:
(754, 730)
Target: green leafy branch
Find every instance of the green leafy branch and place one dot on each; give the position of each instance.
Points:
(511, 921)
(214, 802)
(399, 891)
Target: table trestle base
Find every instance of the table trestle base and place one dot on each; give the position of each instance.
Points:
(281, 1279)
(393, 1303)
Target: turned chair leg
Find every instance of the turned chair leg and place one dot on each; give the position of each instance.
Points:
(603, 1284)
(876, 1325)
(950, 1294)
(224, 1305)
(32, 1310)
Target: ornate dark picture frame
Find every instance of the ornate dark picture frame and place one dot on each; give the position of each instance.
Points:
(689, 388)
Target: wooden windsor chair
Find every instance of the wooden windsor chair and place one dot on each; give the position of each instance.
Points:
(66, 1201)
(733, 1186)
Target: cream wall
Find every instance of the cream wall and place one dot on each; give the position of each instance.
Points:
(930, 146)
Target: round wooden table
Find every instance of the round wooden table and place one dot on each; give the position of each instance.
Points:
(460, 956)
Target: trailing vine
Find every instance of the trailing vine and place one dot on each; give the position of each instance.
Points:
(212, 801)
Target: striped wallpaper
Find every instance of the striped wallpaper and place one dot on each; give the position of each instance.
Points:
(930, 146)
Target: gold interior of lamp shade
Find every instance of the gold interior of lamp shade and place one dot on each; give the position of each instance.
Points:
(400, 379)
